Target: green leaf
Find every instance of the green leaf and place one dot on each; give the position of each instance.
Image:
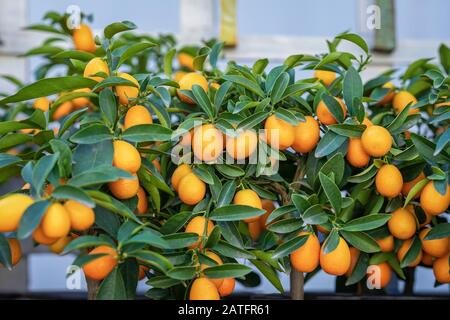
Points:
(31, 218)
(8, 159)
(74, 193)
(439, 231)
(269, 273)
(413, 252)
(182, 273)
(150, 237)
(133, 50)
(356, 39)
(117, 27)
(75, 54)
(253, 120)
(369, 222)
(228, 250)
(259, 66)
(280, 211)
(108, 106)
(91, 156)
(360, 269)
(329, 143)
(246, 83)
(315, 215)
(414, 190)
(347, 130)
(11, 140)
(226, 193)
(112, 82)
(352, 88)
(48, 87)
(444, 55)
(227, 270)
(70, 119)
(230, 170)
(90, 134)
(175, 222)
(289, 246)
(334, 107)
(331, 191)
(180, 240)
(41, 171)
(162, 282)
(147, 133)
(202, 100)
(279, 87)
(235, 212)
(361, 240)
(331, 242)
(168, 58)
(113, 287)
(286, 225)
(5, 252)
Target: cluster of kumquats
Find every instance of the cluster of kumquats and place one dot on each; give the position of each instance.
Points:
(361, 190)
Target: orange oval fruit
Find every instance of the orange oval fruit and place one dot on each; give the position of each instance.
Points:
(83, 38)
(401, 100)
(207, 143)
(178, 75)
(79, 103)
(427, 259)
(56, 221)
(197, 225)
(42, 104)
(269, 206)
(407, 186)
(324, 114)
(437, 247)
(389, 181)
(12, 208)
(95, 66)
(203, 289)
(180, 172)
(386, 244)
(227, 287)
(242, 146)
(63, 110)
(402, 224)
(191, 189)
(142, 204)
(186, 60)
(279, 132)
(327, 77)
(99, 268)
(254, 229)
(306, 258)
(404, 249)
(441, 269)
(59, 245)
(41, 238)
(338, 261)
(81, 216)
(306, 135)
(376, 141)
(126, 156)
(218, 260)
(137, 115)
(124, 188)
(16, 251)
(384, 274)
(187, 82)
(248, 197)
(127, 92)
(356, 155)
(432, 201)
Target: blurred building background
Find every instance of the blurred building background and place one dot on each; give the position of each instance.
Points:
(265, 28)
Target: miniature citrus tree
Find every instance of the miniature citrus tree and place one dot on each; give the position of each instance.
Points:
(197, 178)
